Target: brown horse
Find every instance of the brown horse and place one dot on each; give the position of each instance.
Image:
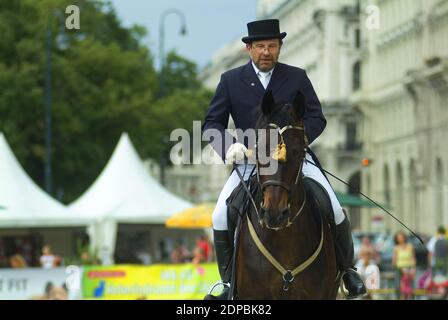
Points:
(299, 259)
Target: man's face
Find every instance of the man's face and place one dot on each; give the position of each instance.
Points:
(264, 53)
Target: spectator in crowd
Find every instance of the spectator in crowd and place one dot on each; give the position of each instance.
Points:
(204, 244)
(17, 261)
(404, 261)
(52, 292)
(438, 252)
(88, 259)
(58, 293)
(46, 296)
(367, 248)
(48, 260)
(180, 254)
(368, 270)
(198, 255)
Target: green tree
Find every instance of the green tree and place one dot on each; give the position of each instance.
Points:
(184, 101)
(179, 72)
(104, 83)
(178, 110)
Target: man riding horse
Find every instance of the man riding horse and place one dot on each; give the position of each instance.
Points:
(239, 94)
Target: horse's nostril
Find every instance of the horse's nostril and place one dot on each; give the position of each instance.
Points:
(263, 211)
(285, 212)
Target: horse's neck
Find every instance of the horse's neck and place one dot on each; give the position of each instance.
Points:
(303, 223)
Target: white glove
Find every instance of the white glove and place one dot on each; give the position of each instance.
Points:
(236, 153)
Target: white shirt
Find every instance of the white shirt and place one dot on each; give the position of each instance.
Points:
(47, 261)
(264, 77)
(370, 274)
(431, 246)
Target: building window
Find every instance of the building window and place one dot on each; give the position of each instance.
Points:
(357, 38)
(351, 134)
(356, 76)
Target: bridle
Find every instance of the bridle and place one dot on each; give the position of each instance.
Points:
(281, 148)
(288, 275)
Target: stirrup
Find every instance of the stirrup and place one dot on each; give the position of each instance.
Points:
(219, 283)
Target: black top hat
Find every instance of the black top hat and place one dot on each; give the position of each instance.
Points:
(262, 30)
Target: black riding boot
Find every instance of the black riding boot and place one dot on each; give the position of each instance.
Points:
(345, 259)
(224, 253)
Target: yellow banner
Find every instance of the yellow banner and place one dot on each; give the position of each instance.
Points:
(155, 282)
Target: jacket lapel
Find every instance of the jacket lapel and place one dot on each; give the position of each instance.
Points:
(278, 78)
(250, 78)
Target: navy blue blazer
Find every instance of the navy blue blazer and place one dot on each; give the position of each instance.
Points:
(239, 94)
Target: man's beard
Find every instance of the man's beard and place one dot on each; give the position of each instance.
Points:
(264, 68)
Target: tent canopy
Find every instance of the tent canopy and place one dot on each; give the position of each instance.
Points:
(125, 192)
(23, 203)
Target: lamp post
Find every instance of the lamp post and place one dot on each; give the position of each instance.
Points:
(163, 159)
(183, 31)
(48, 93)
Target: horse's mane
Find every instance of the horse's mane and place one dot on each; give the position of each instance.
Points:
(279, 116)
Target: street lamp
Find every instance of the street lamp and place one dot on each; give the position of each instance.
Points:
(164, 159)
(183, 31)
(61, 42)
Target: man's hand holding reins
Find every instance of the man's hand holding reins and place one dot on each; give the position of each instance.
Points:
(237, 153)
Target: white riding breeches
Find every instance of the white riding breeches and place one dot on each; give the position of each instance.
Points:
(309, 170)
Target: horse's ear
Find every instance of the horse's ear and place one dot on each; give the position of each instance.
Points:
(268, 103)
(299, 104)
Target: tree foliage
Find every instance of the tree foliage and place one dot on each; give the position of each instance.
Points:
(104, 83)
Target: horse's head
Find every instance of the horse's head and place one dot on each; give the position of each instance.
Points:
(283, 143)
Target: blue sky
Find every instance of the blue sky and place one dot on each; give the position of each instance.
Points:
(210, 24)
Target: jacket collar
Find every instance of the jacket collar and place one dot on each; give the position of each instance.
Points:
(251, 79)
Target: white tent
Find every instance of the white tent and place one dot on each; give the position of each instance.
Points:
(124, 192)
(23, 203)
